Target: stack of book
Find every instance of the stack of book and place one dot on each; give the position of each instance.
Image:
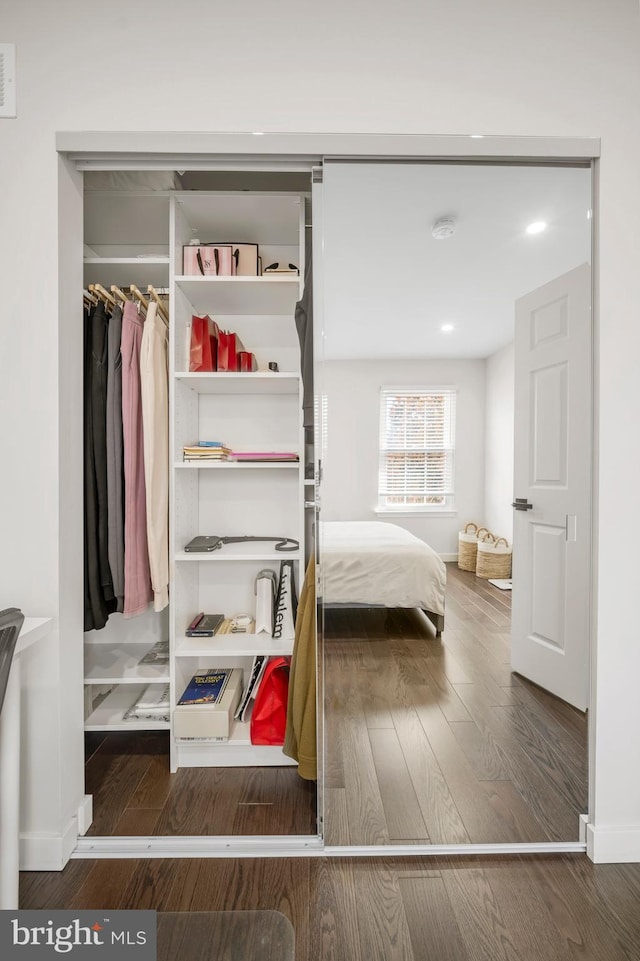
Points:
(264, 456)
(206, 450)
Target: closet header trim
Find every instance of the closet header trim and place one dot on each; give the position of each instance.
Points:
(98, 150)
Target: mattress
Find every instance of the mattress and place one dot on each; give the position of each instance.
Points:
(373, 562)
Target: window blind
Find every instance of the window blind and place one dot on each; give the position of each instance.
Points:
(417, 447)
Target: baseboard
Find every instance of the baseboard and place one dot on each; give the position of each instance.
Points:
(448, 558)
(48, 852)
(613, 845)
(85, 814)
(583, 824)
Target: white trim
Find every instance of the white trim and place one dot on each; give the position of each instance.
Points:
(48, 852)
(449, 558)
(303, 847)
(582, 828)
(106, 150)
(418, 512)
(175, 150)
(620, 845)
(85, 814)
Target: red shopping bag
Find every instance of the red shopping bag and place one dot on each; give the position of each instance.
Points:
(269, 716)
(229, 346)
(203, 350)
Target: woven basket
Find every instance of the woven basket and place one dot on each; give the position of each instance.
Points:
(493, 558)
(468, 546)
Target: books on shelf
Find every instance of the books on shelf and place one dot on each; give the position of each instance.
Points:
(207, 686)
(158, 654)
(204, 625)
(251, 688)
(152, 705)
(208, 702)
(209, 450)
(265, 456)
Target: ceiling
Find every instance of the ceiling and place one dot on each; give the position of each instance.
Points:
(389, 286)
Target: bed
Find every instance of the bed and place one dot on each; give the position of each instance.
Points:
(380, 564)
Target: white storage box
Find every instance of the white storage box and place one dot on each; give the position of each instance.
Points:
(209, 720)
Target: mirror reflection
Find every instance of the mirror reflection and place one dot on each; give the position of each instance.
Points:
(455, 382)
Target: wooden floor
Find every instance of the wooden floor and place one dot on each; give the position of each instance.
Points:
(135, 794)
(435, 740)
(536, 908)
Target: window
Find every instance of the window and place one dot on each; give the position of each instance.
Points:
(417, 447)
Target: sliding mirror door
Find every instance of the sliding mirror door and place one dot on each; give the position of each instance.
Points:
(455, 377)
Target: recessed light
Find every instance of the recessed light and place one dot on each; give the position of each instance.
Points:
(589, 215)
(447, 328)
(536, 227)
(477, 136)
(258, 133)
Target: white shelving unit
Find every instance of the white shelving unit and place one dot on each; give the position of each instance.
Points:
(247, 411)
(137, 236)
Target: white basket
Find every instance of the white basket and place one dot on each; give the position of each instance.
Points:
(468, 545)
(493, 558)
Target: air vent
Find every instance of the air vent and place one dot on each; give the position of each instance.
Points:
(7, 80)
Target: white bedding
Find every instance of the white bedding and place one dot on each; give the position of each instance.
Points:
(372, 562)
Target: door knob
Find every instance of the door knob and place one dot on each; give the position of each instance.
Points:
(522, 504)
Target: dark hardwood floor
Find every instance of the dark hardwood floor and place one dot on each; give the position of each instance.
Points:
(135, 794)
(534, 908)
(434, 740)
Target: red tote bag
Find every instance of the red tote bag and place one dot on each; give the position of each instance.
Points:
(269, 716)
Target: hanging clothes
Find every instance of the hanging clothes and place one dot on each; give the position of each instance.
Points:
(99, 595)
(300, 736)
(155, 420)
(115, 471)
(137, 578)
(95, 609)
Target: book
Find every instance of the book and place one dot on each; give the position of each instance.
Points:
(158, 654)
(206, 686)
(251, 689)
(204, 625)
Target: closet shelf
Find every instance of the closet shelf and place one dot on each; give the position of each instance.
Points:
(236, 552)
(232, 465)
(233, 645)
(107, 664)
(257, 382)
(127, 270)
(237, 751)
(241, 295)
(109, 715)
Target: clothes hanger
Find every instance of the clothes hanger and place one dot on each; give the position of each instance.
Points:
(139, 297)
(99, 291)
(161, 307)
(119, 293)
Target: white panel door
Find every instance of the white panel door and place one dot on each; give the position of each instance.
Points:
(552, 481)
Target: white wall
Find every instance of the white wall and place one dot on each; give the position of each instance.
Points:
(498, 483)
(508, 67)
(350, 471)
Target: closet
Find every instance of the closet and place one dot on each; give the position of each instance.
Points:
(136, 230)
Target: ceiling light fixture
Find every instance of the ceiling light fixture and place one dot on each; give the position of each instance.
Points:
(443, 228)
(536, 227)
(447, 328)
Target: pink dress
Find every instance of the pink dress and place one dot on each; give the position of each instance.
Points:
(137, 578)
